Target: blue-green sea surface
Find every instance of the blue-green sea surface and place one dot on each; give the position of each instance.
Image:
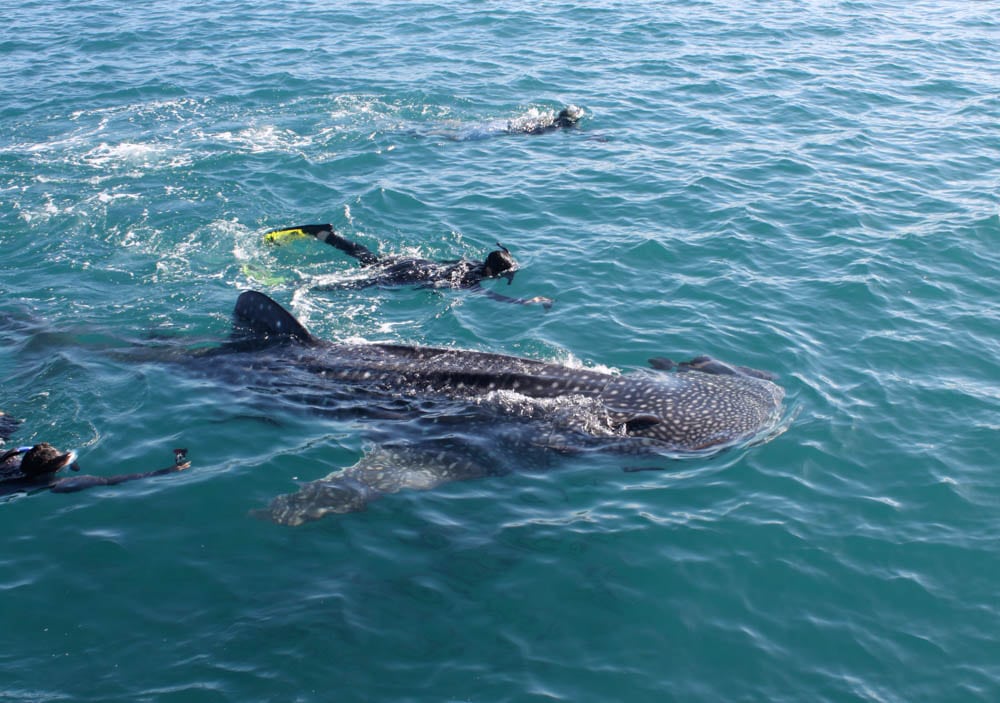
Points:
(799, 186)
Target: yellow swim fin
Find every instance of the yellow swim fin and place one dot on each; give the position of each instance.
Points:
(261, 276)
(288, 234)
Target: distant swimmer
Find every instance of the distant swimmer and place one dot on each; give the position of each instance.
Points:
(567, 118)
(34, 468)
(401, 271)
(535, 121)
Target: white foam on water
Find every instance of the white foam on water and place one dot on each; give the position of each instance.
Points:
(265, 138)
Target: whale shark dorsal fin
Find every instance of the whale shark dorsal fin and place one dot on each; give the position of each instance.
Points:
(662, 363)
(262, 317)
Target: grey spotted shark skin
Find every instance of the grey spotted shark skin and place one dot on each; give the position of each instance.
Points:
(693, 411)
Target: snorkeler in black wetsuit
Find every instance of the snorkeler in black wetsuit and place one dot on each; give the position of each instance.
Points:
(567, 118)
(399, 270)
(535, 121)
(30, 469)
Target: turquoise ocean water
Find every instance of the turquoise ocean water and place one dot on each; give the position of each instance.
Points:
(800, 186)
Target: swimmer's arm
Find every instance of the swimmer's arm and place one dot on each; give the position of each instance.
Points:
(538, 299)
(73, 484)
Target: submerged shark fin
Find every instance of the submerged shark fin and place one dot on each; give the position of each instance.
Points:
(662, 363)
(382, 471)
(265, 318)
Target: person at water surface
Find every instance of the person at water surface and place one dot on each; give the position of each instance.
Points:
(567, 118)
(389, 271)
(33, 468)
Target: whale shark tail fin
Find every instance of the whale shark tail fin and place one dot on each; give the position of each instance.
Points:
(259, 317)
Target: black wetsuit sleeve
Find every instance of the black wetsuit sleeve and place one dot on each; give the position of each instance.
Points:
(73, 484)
(358, 251)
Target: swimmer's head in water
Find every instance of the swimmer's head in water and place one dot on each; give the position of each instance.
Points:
(569, 116)
(499, 262)
(44, 459)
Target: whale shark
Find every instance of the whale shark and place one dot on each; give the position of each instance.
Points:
(447, 414)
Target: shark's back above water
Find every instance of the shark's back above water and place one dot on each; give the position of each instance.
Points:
(693, 408)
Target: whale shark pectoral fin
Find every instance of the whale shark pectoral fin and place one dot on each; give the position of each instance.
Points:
(258, 315)
(380, 472)
(418, 467)
(315, 500)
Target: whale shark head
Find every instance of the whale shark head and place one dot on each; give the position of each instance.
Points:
(694, 410)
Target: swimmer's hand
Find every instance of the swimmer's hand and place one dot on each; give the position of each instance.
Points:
(543, 301)
(539, 299)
